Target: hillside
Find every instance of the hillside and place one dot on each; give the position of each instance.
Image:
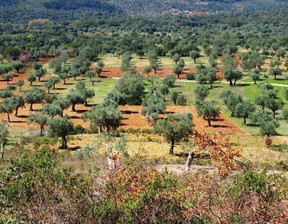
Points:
(142, 7)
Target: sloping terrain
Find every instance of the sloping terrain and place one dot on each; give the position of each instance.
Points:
(147, 7)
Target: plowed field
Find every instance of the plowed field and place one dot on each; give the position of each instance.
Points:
(132, 119)
(18, 76)
(161, 72)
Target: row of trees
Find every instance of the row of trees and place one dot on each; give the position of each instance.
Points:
(246, 109)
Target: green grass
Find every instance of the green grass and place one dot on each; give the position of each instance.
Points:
(165, 61)
(102, 87)
(279, 80)
(248, 91)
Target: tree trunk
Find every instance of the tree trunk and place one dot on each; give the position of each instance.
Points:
(74, 78)
(110, 157)
(31, 107)
(39, 78)
(209, 121)
(263, 109)
(64, 143)
(189, 161)
(8, 117)
(178, 76)
(274, 114)
(231, 84)
(245, 120)
(31, 83)
(2, 151)
(54, 86)
(211, 85)
(64, 80)
(16, 112)
(171, 151)
(73, 107)
(41, 130)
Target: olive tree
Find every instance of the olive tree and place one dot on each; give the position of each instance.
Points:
(7, 108)
(175, 128)
(52, 110)
(104, 116)
(20, 83)
(255, 75)
(207, 110)
(244, 109)
(16, 102)
(153, 106)
(201, 92)
(194, 55)
(60, 127)
(7, 77)
(40, 119)
(131, 86)
(31, 79)
(35, 95)
(17, 65)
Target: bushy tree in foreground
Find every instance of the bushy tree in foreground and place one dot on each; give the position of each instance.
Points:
(104, 116)
(60, 127)
(175, 128)
(40, 119)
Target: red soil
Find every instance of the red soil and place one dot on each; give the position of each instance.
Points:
(18, 76)
(161, 72)
(132, 119)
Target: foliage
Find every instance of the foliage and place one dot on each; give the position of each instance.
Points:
(131, 86)
(60, 127)
(40, 119)
(175, 128)
(153, 106)
(35, 95)
(104, 116)
(207, 110)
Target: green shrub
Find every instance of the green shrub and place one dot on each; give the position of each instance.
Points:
(190, 76)
(78, 129)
